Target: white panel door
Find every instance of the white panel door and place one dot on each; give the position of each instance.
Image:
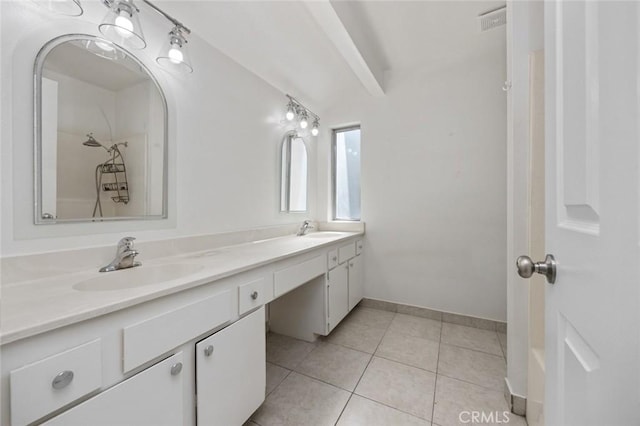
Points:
(356, 282)
(231, 372)
(338, 290)
(592, 321)
(150, 398)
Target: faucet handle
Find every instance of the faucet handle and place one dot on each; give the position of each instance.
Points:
(126, 243)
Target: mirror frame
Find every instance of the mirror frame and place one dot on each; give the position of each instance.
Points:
(37, 128)
(289, 136)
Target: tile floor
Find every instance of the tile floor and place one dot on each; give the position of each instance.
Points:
(384, 368)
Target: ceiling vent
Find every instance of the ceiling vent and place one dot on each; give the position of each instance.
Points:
(494, 19)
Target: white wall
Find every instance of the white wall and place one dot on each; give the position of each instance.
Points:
(433, 186)
(224, 128)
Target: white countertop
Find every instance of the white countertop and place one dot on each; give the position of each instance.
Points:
(31, 307)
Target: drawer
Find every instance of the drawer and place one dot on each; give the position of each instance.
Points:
(359, 245)
(294, 276)
(39, 388)
(332, 259)
(346, 252)
(251, 295)
(150, 338)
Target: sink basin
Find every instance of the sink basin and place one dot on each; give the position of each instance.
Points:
(137, 277)
(323, 234)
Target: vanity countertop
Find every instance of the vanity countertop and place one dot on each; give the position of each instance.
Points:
(31, 307)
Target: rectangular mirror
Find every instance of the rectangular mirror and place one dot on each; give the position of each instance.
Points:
(100, 134)
(293, 190)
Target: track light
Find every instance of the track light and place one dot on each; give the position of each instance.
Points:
(295, 108)
(61, 7)
(290, 115)
(122, 25)
(304, 119)
(175, 56)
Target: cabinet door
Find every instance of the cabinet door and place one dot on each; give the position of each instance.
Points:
(338, 294)
(356, 282)
(231, 372)
(150, 398)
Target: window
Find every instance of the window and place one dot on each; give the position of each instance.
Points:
(346, 173)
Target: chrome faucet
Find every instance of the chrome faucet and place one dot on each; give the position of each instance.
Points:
(306, 225)
(125, 256)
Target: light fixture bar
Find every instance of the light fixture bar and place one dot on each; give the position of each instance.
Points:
(173, 20)
(299, 104)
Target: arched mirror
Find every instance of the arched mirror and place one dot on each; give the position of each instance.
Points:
(100, 134)
(293, 194)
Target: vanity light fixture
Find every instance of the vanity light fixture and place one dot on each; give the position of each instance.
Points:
(122, 25)
(290, 115)
(304, 119)
(175, 56)
(295, 108)
(61, 7)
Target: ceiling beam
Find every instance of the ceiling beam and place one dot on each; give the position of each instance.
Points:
(325, 15)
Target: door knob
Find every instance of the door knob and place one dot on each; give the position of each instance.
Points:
(526, 267)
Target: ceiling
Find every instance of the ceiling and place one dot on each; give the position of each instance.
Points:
(283, 43)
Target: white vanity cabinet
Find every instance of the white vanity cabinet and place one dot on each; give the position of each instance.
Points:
(337, 295)
(231, 372)
(345, 285)
(356, 281)
(153, 397)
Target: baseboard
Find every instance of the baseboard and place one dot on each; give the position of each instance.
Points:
(466, 320)
(517, 404)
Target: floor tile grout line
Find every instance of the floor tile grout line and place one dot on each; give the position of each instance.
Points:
(435, 382)
(392, 407)
(474, 350)
(365, 369)
(343, 408)
(470, 383)
(504, 352)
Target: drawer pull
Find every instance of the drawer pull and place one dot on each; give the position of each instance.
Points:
(176, 368)
(254, 295)
(208, 350)
(62, 380)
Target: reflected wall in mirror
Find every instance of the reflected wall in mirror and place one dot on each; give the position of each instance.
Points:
(293, 189)
(100, 134)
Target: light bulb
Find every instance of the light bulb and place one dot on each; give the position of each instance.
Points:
(175, 55)
(124, 26)
(290, 114)
(315, 131)
(303, 122)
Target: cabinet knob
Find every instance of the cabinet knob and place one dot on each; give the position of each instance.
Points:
(254, 295)
(334, 258)
(62, 379)
(176, 368)
(351, 264)
(208, 350)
